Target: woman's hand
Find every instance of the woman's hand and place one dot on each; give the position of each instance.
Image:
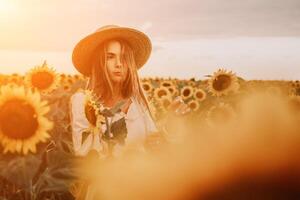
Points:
(178, 107)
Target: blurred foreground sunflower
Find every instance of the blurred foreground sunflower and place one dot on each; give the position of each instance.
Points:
(22, 119)
(222, 82)
(164, 103)
(273, 90)
(43, 78)
(220, 114)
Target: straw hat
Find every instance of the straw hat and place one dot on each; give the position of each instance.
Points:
(139, 42)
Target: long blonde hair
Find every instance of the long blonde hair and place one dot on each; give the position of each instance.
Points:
(99, 80)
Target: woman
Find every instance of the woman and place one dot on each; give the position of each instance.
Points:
(110, 58)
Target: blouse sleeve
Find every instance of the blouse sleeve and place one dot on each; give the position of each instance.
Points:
(79, 123)
(150, 124)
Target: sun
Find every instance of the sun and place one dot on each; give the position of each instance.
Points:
(7, 6)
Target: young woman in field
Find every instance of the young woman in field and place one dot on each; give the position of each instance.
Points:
(111, 58)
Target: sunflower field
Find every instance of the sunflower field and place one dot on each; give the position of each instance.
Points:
(37, 158)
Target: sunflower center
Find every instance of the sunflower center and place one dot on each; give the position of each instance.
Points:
(166, 84)
(146, 87)
(66, 87)
(171, 90)
(193, 105)
(186, 92)
(90, 114)
(221, 82)
(42, 80)
(76, 76)
(18, 119)
(161, 93)
(199, 95)
(70, 81)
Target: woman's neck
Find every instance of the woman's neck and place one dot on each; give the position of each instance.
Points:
(117, 96)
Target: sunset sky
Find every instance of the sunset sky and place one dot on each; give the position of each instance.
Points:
(257, 39)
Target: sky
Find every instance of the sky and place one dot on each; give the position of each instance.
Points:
(256, 39)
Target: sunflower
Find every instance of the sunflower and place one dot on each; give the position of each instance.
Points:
(192, 82)
(147, 86)
(158, 79)
(69, 80)
(22, 119)
(43, 78)
(167, 83)
(223, 82)
(294, 91)
(160, 92)
(173, 90)
(199, 94)
(62, 78)
(66, 87)
(194, 105)
(15, 79)
(92, 111)
(77, 77)
(164, 103)
(294, 104)
(294, 88)
(219, 114)
(2, 79)
(186, 92)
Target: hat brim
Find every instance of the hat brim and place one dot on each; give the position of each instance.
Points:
(139, 42)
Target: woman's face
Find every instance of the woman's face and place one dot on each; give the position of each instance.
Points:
(116, 69)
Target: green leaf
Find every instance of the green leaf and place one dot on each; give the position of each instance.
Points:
(21, 169)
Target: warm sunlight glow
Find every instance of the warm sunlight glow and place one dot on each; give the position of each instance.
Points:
(6, 6)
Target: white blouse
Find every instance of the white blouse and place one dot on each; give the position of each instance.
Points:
(138, 122)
